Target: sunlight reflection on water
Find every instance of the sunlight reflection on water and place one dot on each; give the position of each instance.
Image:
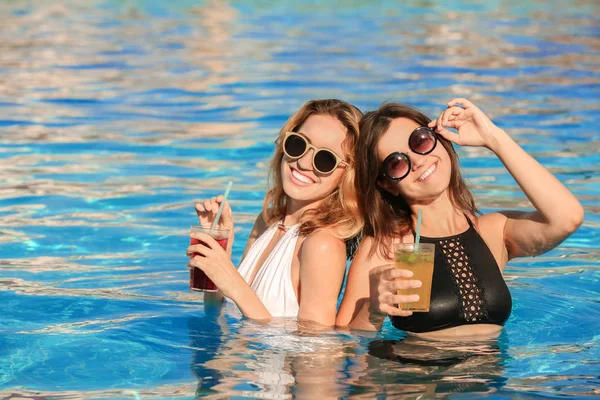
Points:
(116, 117)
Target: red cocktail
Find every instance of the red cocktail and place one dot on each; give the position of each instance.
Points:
(198, 279)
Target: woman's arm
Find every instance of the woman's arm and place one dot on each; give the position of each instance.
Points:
(217, 265)
(206, 212)
(370, 290)
(322, 267)
(221, 270)
(322, 264)
(557, 212)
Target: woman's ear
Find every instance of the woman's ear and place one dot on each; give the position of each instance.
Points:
(388, 186)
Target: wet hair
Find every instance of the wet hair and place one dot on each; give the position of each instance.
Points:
(388, 216)
(339, 210)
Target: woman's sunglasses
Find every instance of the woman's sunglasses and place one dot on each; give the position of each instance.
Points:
(324, 160)
(397, 165)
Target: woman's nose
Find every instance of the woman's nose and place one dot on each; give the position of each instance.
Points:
(417, 160)
(305, 162)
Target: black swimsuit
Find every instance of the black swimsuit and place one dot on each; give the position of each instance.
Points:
(467, 287)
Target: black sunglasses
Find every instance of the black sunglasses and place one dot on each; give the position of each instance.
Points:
(397, 165)
(324, 160)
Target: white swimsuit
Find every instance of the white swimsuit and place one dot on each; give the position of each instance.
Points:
(273, 281)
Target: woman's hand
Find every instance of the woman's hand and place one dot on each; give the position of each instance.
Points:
(474, 127)
(216, 264)
(207, 212)
(384, 286)
(371, 289)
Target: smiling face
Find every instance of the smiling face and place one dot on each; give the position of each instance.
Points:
(430, 174)
(301, 182)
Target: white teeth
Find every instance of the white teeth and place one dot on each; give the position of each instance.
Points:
(428, 172)
(300, 177)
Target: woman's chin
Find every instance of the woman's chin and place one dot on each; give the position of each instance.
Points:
(302, 194)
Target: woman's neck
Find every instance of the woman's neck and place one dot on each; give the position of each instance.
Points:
(439, 217)
(295, 210)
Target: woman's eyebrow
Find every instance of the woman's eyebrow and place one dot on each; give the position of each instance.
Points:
(326, 147)
(305, 137)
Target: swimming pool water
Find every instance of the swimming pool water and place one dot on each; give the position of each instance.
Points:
(115, 117)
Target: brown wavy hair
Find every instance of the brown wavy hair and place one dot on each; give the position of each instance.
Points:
(388, 216)
(339, 211)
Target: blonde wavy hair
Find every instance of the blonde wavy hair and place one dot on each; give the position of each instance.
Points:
(339, 211)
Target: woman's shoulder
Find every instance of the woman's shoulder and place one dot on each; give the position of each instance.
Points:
(323, 240)
(489, 224)
(321, 251)
(372, 251)
(491, 229)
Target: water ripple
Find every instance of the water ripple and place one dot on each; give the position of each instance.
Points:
(118, 116)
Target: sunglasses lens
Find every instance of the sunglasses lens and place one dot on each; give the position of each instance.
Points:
(422, 140)
(325, 161)
(396, 166)
(294, 145)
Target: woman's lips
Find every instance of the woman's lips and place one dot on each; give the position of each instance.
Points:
(300, 178)
(427, 174)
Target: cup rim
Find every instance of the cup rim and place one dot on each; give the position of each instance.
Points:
(205, 228)
(414, 246)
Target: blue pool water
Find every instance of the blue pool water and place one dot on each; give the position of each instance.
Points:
(115, 117)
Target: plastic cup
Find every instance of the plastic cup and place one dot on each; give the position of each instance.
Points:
(417, 258)
(199, 282)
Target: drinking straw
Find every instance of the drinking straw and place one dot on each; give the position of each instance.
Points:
(418, 233)
(214, 225)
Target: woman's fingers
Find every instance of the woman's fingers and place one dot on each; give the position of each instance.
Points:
(214, 207)
(197, 249)
(438, 122)
(404, 298)
(206, 205)
(206, 246)
(211, 206)
(395, 311)
(226, 216)
(450, 136)
(391, 298)
(445, 118)
(455, 108)
(208, 240)
(392, 273)
(388, 287)
(197, 262)
(450, 114)
(388, 291)
(462, 101)
(402, 284)
(388, 302)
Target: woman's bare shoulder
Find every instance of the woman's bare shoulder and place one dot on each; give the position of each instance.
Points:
(323, 240)
(383, 252)
(490, 225)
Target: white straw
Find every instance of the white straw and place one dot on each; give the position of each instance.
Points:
(214, 225)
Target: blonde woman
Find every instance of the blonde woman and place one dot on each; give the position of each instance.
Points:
(295, 258)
